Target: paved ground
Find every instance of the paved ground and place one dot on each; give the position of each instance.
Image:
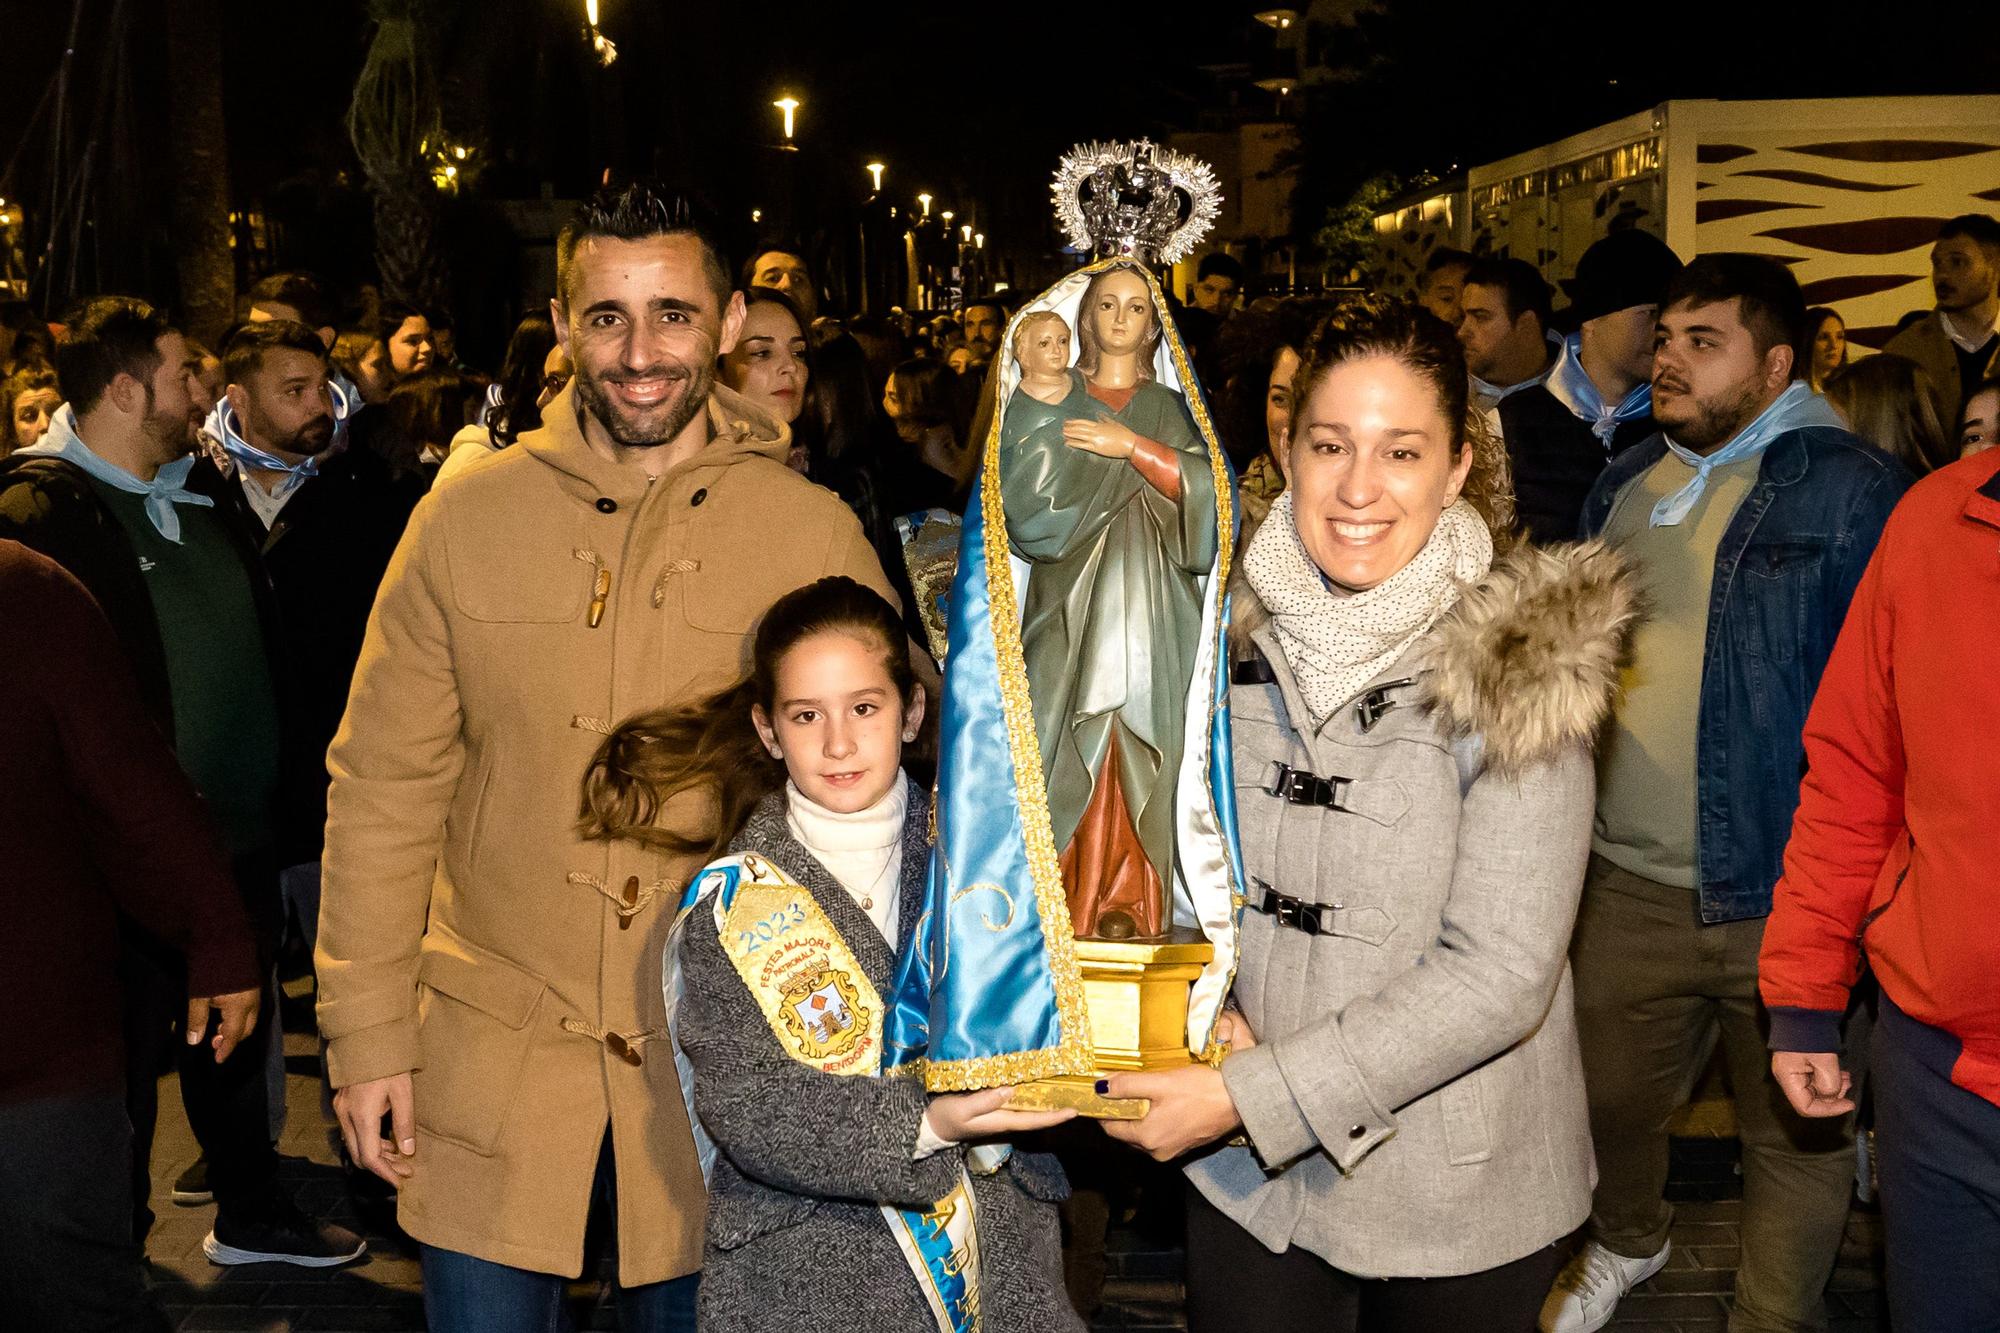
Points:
(382, 1292)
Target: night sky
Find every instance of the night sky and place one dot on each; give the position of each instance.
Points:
(971, 102)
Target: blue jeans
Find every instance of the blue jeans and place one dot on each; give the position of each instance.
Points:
(1939, 1154)
(467, 1295)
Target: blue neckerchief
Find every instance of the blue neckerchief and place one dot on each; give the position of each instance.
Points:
(494, 398)
(221, 427)
(347, 389)
(1795, 409)
(167, 488)
(1574, 389)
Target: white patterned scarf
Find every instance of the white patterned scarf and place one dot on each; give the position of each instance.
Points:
(1336, 642)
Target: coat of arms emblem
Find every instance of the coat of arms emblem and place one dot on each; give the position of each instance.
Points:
(824, 1012)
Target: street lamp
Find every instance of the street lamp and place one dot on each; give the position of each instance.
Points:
(979, 240)
(875, 170)
(948, 215)
(965, 233)
(788, 105)
(602, 45)
(925, 200)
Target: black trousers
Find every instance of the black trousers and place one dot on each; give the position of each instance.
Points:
(228, 1105)
(68, 1258)
(1235, 1285)
(1940, 1163)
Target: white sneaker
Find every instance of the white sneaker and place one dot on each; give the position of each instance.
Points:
(1587, 1292)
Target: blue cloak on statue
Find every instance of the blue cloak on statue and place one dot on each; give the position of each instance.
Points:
(989, 992)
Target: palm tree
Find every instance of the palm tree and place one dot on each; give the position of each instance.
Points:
(394, 122)
(198, 211)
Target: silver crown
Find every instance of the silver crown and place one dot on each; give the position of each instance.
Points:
(1136, 200)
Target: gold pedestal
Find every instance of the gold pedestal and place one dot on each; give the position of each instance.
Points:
(1136, 995)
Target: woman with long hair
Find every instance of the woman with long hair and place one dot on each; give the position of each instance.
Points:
(782, 954)
(514, 401)
(1828, 349)
(921, 399)
(426, 410)
(1413, 740)
(1888, 401)
(772, 366)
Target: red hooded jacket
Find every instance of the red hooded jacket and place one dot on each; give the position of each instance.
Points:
(1895, 850)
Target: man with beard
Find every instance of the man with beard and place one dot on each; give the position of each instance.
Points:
(490, 981)
(1749, 518)
(985, 324)
(325, 518)
(1961, 347)
(105, 494)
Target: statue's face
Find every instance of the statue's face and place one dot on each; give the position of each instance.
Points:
(1120, 312)
(1043, 348)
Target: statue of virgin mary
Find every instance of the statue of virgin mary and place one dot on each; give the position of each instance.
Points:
(1083, 784)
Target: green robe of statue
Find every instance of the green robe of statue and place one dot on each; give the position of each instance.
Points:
(1112, 617)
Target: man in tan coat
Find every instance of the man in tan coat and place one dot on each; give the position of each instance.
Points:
(1959, 347)
(489, 982)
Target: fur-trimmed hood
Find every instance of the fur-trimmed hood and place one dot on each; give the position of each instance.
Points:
(1528, 658)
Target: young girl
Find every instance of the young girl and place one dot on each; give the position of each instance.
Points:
(838, 1199)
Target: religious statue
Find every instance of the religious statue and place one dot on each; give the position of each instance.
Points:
(1110, 495)
(1085, 805)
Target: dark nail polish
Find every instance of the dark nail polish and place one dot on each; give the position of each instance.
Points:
(1103, 1086)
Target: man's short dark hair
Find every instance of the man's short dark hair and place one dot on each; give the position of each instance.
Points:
(1981, 230)
(637, 211)
(244, 355)
(302, 292)
(998, 306)
(108, 336)
(746, 276)
(1767, 297)
(1220, 264)
(1522, 288)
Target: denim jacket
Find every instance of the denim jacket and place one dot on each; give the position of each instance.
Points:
(1784, 571)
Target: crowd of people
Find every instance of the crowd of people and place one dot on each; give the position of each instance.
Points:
(328, 645)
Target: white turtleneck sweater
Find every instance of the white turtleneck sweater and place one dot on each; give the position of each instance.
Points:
(863, 851)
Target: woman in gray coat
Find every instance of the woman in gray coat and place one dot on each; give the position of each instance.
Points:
(1403, 1100)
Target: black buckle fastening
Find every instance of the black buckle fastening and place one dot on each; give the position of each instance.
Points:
(1372, 706)
(1294, 912)
(1296, 787)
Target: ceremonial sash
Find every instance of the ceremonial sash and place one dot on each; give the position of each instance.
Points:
(826, 1014)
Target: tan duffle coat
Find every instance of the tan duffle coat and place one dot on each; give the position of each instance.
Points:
(467, 933)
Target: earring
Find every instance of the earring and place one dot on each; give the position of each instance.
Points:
(909, 736)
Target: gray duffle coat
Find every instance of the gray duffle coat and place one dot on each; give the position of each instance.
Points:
(1415, 1107)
